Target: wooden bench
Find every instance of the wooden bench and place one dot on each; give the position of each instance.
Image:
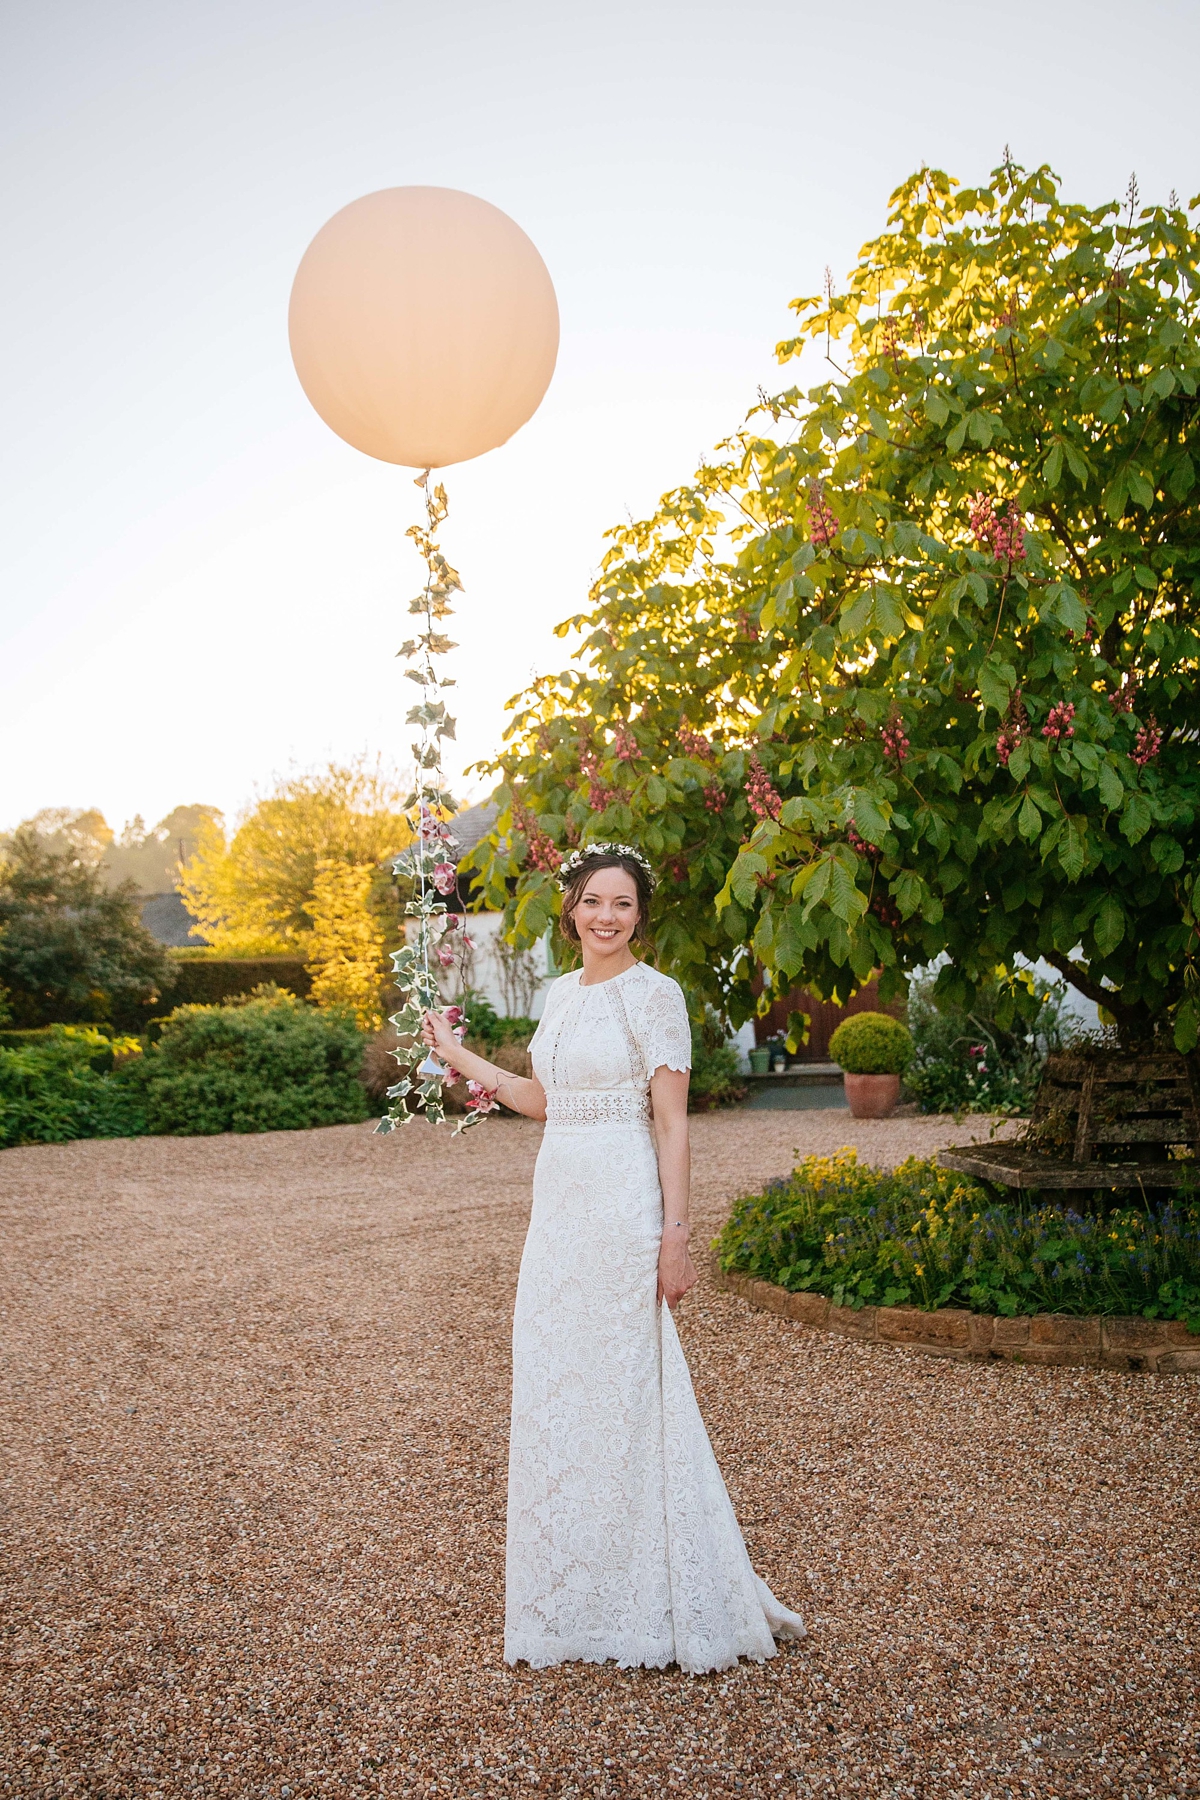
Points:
(1100, 1122)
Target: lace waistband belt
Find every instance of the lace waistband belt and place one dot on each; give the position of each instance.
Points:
(598, 1106)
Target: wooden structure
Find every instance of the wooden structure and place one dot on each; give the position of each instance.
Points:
(1100, 1122)
(824, 1017)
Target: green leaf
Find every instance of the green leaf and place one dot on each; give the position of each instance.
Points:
(1052, 467)
(1135, 818)
(1072, 852)
(1112, 788)
(996, 682)
(1187, 1027)
(1183, 477)
(1029, 820)
(869, 819)
(1115, 496)
(888, 616)
(1167, 852)
(936, 410)
(845, 900)
(1109, 928)
(958, 436)
(1018, 762)
(743, 878)
(815, 884)
(906, 892)
(856, 618)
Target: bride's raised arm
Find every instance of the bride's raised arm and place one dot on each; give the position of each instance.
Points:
(521, 1093)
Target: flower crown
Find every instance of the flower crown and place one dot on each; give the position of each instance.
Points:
(573, 863)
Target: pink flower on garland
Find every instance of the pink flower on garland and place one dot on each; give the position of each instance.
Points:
(480, 1099)
(445, 956)
(454, 1015)
(445, 877)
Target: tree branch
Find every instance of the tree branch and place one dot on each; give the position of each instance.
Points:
(1093, 990)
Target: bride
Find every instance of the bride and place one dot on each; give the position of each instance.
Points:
(622, 1542)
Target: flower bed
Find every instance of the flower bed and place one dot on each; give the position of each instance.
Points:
(919, 1237)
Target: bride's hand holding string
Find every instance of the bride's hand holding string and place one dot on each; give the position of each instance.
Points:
(521, 1094)
(438, 1035)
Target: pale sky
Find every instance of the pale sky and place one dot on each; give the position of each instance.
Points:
(201, 585)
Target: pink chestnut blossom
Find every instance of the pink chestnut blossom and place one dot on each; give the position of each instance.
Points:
(1058, 723)
(1148, 744)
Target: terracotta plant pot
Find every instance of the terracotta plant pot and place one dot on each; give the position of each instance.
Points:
(872, 1096)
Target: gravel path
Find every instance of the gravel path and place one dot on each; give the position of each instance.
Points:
(255, 1396)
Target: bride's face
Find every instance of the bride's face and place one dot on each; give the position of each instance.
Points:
(607, 914)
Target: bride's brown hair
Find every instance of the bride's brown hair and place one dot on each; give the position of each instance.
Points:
(573, 892)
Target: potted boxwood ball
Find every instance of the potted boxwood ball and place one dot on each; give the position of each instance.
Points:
(873, 1050)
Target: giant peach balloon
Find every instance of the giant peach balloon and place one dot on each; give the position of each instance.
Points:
(423, 325)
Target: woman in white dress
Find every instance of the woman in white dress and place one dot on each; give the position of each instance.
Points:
(622, 1543)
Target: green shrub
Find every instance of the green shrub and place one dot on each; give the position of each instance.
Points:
(267, 1063)
(921, 1236)
(985, 1058)
(871, 1043)
(62, 1086)
(716, 1069)
(201, 979)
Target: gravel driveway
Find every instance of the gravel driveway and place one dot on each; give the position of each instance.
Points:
(255, 1395)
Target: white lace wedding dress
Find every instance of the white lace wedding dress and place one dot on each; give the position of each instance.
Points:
(622, 1542)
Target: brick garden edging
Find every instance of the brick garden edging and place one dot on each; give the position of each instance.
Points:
(1150, 1346)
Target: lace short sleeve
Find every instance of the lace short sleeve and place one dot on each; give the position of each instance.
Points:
(663, 1031)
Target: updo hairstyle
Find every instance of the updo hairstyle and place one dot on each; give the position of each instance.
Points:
(573, 893)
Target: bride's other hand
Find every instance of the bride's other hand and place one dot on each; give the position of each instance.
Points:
(676, 1272)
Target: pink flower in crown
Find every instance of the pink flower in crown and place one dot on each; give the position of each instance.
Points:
(445, 876)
